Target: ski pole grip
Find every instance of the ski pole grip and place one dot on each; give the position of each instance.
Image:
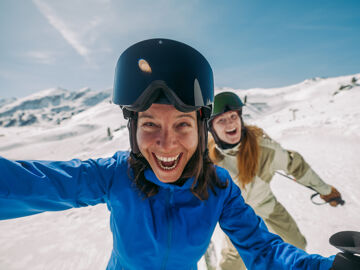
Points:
(338, 200)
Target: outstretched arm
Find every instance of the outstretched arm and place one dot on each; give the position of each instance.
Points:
(292, 163)
(259, 248)
(31, 187)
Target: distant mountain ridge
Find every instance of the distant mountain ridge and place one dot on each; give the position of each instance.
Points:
(50, 106)
(4, 101)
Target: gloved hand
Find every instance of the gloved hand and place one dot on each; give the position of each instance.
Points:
(346, 261)
(330, 197)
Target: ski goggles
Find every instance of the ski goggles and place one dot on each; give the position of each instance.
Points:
(226, 102)
(165, 66)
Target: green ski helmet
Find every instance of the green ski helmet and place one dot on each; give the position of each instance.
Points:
(224, 102)
(163, 71)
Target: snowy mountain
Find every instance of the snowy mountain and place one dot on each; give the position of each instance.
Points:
(49, 106)
(319, 117)
(4, 101)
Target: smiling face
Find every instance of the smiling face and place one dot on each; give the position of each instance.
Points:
(228, 127)
(167, 138)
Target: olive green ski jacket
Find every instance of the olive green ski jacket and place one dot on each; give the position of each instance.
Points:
(273, 158)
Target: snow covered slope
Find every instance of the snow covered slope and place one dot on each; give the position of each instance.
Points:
(51, 106)
(314, 117)
(68, 124)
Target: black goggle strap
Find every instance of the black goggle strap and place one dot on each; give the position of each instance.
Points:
(127, 113)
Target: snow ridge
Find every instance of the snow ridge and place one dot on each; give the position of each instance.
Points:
(50, 106)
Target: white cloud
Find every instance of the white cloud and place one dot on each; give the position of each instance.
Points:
(41, 57)
(97, 28)
(72, 37)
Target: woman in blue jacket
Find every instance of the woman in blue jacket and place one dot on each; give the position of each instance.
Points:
(165, 196)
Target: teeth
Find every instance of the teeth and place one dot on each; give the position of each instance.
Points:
(168, 168)
(231, 130)
(167, 159)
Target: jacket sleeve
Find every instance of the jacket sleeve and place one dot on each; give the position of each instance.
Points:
(293, 163)
(31, 187)
(259, 248)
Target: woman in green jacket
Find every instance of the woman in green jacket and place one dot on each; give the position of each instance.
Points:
(252, 158)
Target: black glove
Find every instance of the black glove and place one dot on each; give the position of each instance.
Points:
(346, 261)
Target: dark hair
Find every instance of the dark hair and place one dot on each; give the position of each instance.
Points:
(199, 166)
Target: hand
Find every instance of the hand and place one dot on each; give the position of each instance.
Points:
(330, 198)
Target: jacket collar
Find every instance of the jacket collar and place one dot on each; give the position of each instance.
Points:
(150, 175)
(229, 152)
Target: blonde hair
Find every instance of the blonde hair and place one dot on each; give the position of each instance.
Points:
(247, 157)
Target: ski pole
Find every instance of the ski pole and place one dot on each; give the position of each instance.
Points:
(336, 199)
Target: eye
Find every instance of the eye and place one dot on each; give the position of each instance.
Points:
(234, 116)
(149, 124)
(184, 124)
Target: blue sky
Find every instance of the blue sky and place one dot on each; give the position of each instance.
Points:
(75, 43)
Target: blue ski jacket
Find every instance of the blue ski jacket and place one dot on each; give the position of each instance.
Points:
(170, 230)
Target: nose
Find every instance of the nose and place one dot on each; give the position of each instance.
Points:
(230, 121)
(166, 139)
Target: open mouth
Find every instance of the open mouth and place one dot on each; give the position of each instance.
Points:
(231, 132)
(167, 163)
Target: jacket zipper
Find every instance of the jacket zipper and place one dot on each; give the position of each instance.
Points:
(169, 201)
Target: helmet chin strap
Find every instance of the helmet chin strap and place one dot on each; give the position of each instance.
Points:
(224, 145)
(132, 125)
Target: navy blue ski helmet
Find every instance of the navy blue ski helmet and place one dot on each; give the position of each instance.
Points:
(155, 67)
(158, 70)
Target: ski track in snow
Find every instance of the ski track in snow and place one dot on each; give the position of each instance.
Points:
(325, 133)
